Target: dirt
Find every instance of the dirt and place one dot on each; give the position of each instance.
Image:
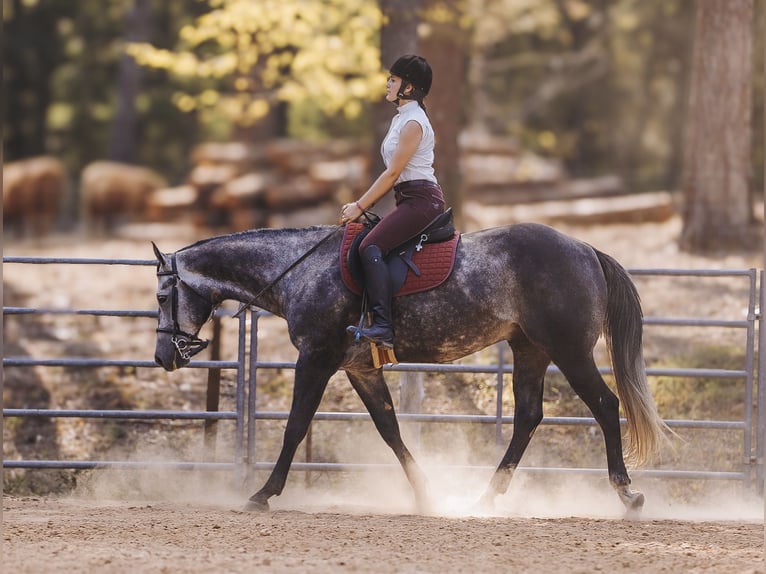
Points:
(115, 521)
(75, 535)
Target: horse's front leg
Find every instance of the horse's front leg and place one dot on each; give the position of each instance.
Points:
(312, 372)
(372, 389)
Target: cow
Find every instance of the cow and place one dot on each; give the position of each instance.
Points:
(114, 193)
(34, 190)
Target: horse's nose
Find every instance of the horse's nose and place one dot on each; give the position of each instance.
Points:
(158, 361)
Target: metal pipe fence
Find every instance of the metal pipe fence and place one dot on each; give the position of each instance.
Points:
(248, 364)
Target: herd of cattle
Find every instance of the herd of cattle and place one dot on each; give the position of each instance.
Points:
(230, 186)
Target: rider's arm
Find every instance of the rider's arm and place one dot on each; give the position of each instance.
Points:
(409, 139)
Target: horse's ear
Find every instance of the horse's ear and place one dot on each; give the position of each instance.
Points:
(158, 254)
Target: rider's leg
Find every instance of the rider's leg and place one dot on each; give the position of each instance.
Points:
(378, 286)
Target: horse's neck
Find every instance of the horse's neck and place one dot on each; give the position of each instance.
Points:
(239, 266)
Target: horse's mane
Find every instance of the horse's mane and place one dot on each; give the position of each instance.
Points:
(245, 235)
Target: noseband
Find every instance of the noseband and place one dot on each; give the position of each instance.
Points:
(185, 343)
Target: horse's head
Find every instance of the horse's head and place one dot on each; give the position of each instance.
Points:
(182, 313)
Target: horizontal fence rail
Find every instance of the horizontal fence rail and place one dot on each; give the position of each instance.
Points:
(238, 415)
(248, 364)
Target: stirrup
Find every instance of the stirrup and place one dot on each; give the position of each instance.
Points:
(382, 355)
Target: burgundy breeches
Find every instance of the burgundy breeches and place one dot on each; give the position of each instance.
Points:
(418, 203)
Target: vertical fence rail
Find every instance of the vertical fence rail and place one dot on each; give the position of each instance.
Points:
(761, 426)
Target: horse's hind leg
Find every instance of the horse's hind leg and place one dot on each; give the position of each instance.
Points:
(529, 365)
(373, 391)
(587, 382)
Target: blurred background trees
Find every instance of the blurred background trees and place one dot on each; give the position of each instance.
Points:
(603, 86)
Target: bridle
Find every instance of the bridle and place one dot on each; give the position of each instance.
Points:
(185, 343)
(188, 344)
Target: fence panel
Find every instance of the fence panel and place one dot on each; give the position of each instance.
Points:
(209, 417)
(249, 363)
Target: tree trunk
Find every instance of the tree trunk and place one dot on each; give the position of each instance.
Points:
(123, 140)
(398, 36)
(444, 47)
(28, 65)
(718, 213)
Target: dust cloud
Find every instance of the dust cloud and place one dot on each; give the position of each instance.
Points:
(455, 487)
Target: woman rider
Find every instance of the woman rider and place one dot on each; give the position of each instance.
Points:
(408, 154)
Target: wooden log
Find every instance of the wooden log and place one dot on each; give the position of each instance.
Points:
(479, 142)
(295, 192)
(243, 191)
(172, 203)
(208, 177)
(323, 214)
(291, 157)
(241, 155)
(635, 208)
(480, 170)
(536, 191)
(350, 172)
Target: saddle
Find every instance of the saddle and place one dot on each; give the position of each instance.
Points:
(420, 264)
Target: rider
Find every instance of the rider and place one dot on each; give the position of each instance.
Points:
(408, 154)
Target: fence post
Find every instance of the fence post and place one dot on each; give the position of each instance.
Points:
(760, 451)
(499, 398)
(213, 398)
(251, 397)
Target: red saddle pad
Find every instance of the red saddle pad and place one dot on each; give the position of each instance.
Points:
(435, 262)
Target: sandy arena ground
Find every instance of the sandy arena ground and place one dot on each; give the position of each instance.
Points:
(198, 527)
(76, 535)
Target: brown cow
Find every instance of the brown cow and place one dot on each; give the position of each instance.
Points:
(114, 193)
(33, 194)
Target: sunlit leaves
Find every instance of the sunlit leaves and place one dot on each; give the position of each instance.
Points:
(243, 56)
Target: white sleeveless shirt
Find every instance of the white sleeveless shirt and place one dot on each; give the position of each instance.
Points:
(421, 164)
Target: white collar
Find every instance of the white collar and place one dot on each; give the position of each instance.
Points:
(403, 107)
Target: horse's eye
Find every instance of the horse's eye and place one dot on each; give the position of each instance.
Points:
(162, 298)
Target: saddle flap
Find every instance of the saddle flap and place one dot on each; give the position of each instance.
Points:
(434, 262)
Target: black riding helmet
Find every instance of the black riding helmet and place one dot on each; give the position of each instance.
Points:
(413, 70)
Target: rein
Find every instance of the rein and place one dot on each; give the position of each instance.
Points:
(185, 343)
(294, 264)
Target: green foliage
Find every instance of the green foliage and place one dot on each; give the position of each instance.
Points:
(242, 57)
(601, 86)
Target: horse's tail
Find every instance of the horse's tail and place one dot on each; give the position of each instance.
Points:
(623, 330)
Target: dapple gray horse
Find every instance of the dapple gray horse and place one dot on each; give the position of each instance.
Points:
(549, 295)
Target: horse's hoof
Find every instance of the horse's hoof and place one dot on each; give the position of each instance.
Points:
(486, 504)
(256, 505)
(425, 508)
(632, 499)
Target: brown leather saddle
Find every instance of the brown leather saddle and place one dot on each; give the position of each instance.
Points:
(422, 263)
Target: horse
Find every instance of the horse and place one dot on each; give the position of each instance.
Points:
(549, 295)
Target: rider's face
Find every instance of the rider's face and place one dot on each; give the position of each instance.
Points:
(392, 88)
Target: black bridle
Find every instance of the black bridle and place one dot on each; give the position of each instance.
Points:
(186, 344)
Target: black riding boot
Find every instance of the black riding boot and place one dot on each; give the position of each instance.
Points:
(378, 287)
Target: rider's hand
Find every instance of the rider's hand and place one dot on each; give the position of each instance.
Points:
(350, 212)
